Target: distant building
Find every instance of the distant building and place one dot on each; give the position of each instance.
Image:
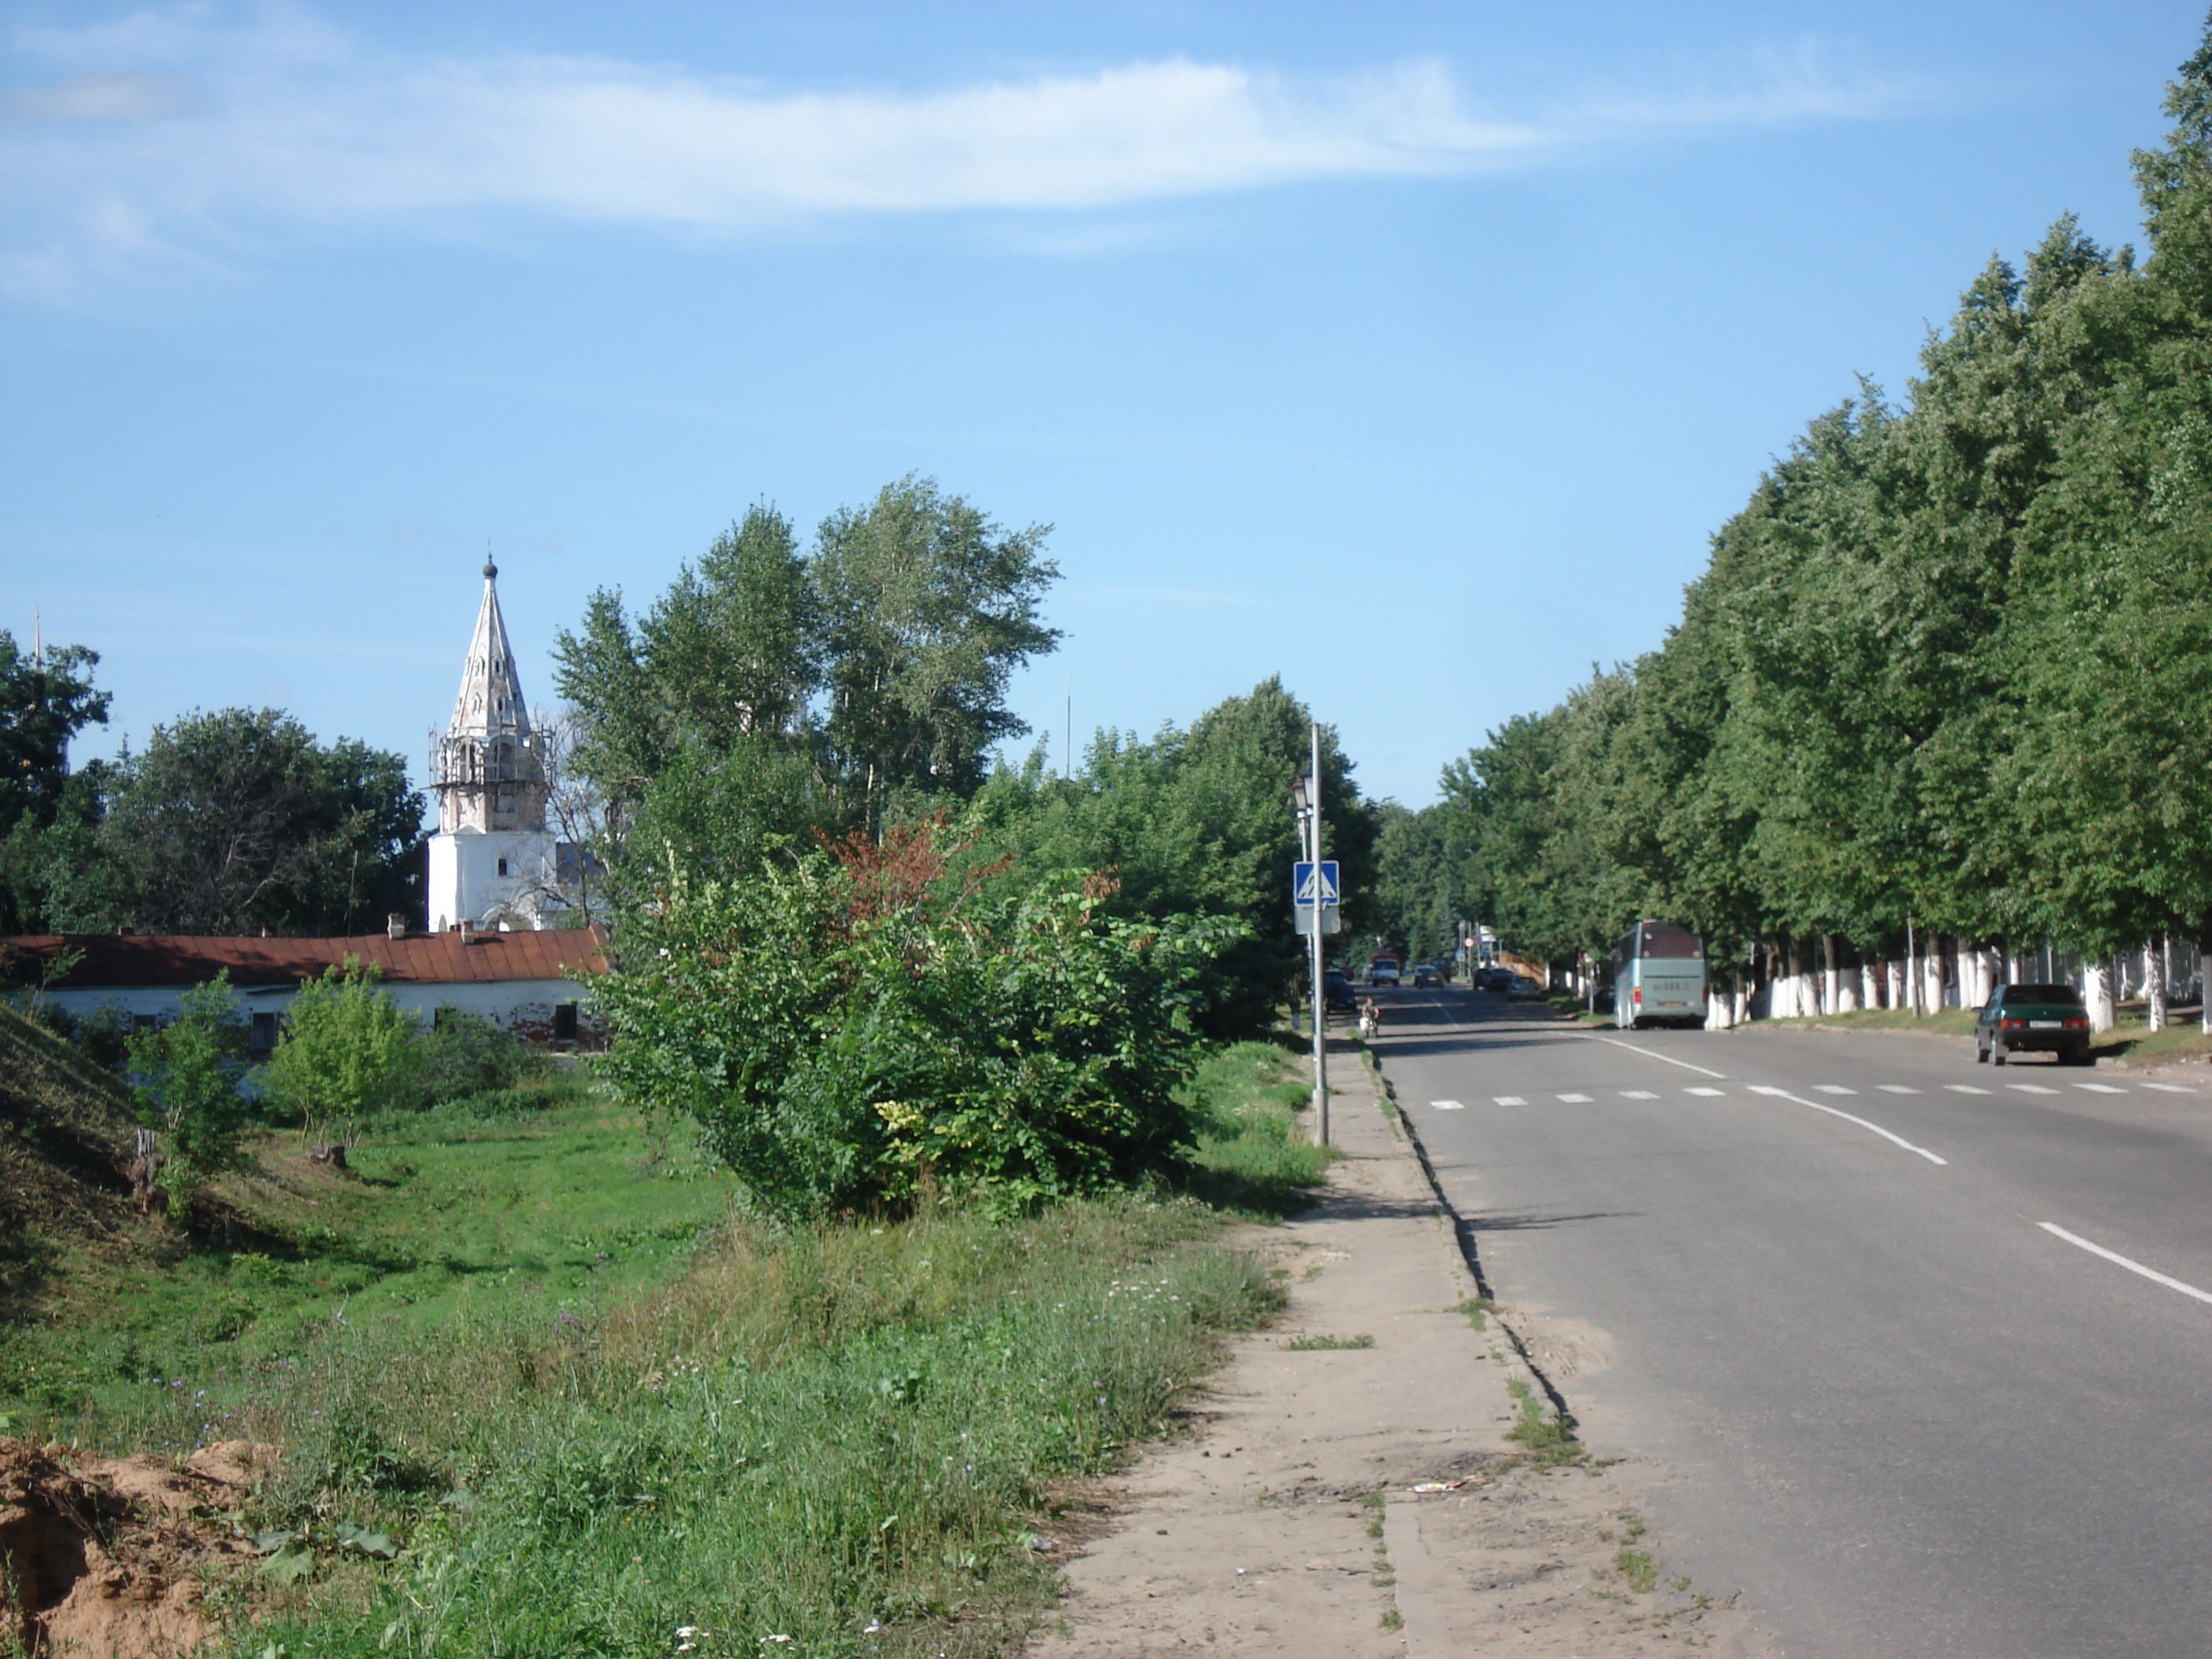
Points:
(493, 863)
(521, 979)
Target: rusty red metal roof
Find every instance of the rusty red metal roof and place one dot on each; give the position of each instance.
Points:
(122, 961)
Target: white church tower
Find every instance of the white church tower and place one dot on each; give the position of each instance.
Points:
(493, 861)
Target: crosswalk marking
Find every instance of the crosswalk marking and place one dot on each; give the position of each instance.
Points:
(1448, 1105)
(1895, 1088)
(1575, 1100)
(1638, 1094)
(1508, 1100)
(2031, 1088)
(2100, 1088)
(2171, 1088)
(1701, 1091)
(1833, 1089)
(1965, 1089)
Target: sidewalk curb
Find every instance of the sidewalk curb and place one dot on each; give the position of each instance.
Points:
(1512, 1351)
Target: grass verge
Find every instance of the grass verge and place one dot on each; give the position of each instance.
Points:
(831, 1437)
(519, 1350)
(1252, 1156)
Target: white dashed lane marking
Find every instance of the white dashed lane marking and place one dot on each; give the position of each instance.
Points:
(1833, 1089)
(2100, 1088)
(1575, 1100)
(1965, 1089)
(1702, 1091)
(1507, 1100)
(2171, 1088)
(1638, 1094)
(2031, 1089)
(1895, 1088)
(1448, 1105)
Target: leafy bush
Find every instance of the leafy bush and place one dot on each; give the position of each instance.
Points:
(465, 1054)
(865, 1030)
(348, 1048)
(186, 1075)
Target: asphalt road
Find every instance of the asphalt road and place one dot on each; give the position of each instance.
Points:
(1875, 1391)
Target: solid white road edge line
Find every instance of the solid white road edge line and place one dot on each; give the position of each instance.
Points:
(1655, 1054)
(1783, 1094)
(2114, 1256)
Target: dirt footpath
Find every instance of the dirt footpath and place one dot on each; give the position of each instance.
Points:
(1289, 1523)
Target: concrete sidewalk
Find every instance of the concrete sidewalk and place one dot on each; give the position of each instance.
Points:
(1286, 1523)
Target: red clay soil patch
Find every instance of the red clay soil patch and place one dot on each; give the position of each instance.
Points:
(109, 1557)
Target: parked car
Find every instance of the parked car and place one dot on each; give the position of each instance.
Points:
(1521, 990)
(1493, 978)
(2029, 1017)
(1425, 973)
(1337, 994)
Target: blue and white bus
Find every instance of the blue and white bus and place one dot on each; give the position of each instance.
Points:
(1658, 976)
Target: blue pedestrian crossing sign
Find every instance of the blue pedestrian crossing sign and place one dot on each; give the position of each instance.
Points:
(1312, 885)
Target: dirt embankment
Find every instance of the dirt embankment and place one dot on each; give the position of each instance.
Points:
(111, 1558)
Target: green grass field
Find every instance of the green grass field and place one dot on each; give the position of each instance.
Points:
(521, 1347)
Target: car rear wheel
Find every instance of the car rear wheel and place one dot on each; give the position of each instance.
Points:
(1997, 1055)
(1981, 1055)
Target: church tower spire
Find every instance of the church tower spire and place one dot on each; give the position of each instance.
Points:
(492, 861)
(489, 770)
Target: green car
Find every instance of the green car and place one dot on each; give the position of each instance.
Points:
(2050, 1018)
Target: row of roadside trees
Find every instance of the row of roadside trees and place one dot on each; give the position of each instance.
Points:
(1941, 706)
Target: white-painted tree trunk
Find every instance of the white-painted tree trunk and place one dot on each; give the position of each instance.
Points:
(1831, 990)
(1847, 990)
(2097, 993)
(1869, 984)
(2154, 984)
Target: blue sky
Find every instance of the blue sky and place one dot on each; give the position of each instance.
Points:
(1413, 352)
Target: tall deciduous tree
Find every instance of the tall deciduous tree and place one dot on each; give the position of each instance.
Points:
(46, 698)
(1199, 822)
(237, 820)
(928, 609)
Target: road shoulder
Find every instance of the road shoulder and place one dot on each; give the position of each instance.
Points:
(1286, 1522)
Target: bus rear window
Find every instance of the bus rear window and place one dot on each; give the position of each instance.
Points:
(1669, 943)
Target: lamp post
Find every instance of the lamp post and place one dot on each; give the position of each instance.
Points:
(1305, 799)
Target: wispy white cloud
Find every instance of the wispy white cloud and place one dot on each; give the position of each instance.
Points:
(172, 135)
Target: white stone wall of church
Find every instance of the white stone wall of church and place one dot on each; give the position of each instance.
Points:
(465, 884)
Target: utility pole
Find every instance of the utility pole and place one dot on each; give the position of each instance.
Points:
(1320, 1006)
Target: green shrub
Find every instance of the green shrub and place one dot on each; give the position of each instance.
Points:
(185, 1075)
(465, 1054)
(348, 1049)
(862, 1032)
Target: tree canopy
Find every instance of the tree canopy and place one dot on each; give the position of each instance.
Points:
(1949, 667)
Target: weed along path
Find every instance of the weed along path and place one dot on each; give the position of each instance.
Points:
(1375, 1476)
